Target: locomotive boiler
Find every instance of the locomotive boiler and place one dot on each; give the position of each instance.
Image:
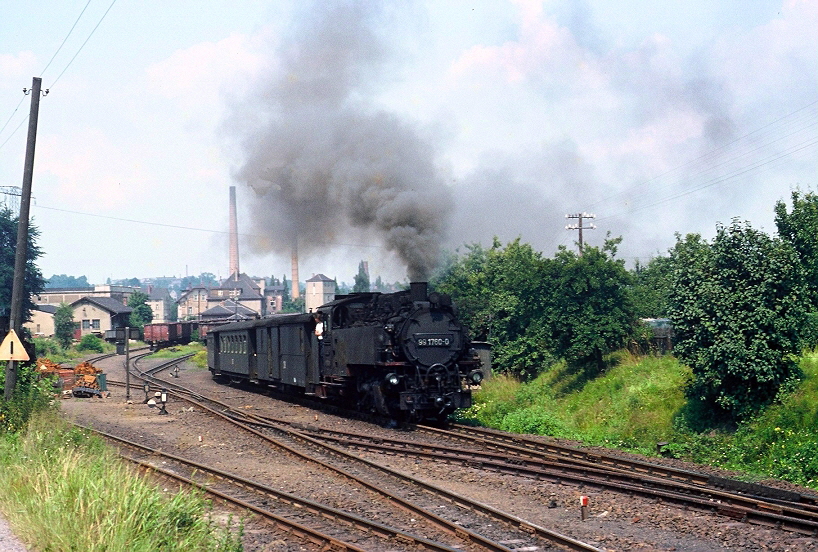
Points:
(403, 355)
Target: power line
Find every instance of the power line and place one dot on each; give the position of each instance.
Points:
(84, 43)
(64, 69)
(65, 39)
(12, 116)
(713, 153)
(719, 180)
(179, 227)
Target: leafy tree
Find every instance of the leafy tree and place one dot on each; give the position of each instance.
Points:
(799, 228)
(499, 293)
(285, 293)
(651, 287)
(142, 313)
(172, 308)
(361, 280)
(206, 279)
(65, 281)
(287, 303)
(33, 282)
(737, 306)
(589, 311)
(534, 310)
(133, 282)
(64, 325)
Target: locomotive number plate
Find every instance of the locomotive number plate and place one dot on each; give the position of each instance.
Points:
(433, 340)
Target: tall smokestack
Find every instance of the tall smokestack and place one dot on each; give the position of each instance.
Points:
(234, 235)
(295, 293)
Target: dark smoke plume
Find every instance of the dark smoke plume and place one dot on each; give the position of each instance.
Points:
(322, 160)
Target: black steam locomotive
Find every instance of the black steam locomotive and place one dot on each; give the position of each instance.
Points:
(403, 355)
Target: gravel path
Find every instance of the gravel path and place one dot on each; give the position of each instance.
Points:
(9, 542)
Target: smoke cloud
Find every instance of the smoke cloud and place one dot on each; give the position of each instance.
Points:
(324, 162)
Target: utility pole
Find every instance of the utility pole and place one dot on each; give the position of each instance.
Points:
(579, 226)
(20, 254)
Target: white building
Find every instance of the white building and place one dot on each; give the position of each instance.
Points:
(320, 290)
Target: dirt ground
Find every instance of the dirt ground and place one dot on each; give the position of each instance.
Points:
(616, 522)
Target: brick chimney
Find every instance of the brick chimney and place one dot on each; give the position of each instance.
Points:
(234, 235)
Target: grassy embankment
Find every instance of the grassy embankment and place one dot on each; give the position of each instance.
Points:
(64, 489)
(636, 404)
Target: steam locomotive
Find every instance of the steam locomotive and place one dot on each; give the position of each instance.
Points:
(402, 355)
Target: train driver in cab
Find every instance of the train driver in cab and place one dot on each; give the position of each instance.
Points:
(319, 325)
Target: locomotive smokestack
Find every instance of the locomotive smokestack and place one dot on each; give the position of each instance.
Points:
(295, 293)
(234, 235)
(417, 291)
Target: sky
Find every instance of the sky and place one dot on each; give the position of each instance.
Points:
(393, 132)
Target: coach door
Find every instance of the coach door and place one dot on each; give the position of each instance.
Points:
(252, 358)
(293, 354)
(263, 353)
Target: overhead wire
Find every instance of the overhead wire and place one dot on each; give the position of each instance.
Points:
(85, 42)
(788, 119)
(798, 122)
(65, 39)
(64, 69)
(179, 227)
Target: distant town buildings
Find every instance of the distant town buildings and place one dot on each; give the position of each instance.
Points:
(239, 297)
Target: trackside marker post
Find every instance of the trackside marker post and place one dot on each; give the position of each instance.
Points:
(583, 507)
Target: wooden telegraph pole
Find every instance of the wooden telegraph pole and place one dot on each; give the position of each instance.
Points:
(20, 254)
(579, 226)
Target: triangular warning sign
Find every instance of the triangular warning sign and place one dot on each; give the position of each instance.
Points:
(12, 348)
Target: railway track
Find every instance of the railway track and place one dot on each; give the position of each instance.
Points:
(523, 444)
(337, 529)
(389, 484)
(798, 517)
(490, 451)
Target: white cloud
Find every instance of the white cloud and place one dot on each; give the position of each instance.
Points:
(87, 171)
(15, 66)
(200, 74)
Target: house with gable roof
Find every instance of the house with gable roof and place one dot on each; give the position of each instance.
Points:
(99, 314)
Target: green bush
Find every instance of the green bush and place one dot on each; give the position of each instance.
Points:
(46, 347)
(536, 420)
(31, 394)
(90, 342)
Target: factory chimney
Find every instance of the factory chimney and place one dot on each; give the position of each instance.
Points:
(234, 236)
(295, 293)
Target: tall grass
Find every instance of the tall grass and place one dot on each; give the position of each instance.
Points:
(638, 401)
(65, 490)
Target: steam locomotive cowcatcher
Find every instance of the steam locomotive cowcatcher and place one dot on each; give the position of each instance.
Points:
(403, 355)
